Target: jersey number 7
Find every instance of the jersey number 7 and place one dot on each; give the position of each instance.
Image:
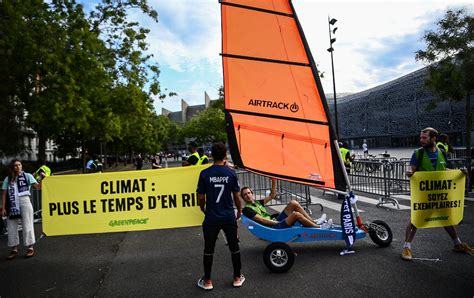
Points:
(221, 191)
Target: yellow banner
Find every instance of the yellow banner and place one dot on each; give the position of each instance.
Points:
(437, 198)
(121, 201)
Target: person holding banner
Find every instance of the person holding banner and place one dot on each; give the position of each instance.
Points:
(193, 159)
(429, 158)
(203, 159)
(16, 204)
(42, 172)
(218, 191)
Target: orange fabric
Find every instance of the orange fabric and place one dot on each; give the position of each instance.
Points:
(295, 147)
(303, 152)
(275, 5)
(279, 133)
(276, 38)
(247, 82)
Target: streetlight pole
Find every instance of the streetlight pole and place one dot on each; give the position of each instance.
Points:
(331, 22)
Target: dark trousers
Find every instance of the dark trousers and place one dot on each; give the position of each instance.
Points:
(210, 233)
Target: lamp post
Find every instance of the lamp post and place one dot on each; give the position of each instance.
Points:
(332, 40)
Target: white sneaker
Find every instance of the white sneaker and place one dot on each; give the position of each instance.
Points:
(238, 281)
(205, 284)
(327, 225)
(321, 220)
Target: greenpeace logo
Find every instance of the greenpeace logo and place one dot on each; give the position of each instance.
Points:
(274, 104)
(128, 222)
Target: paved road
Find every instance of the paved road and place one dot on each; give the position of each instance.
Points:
(169, 262)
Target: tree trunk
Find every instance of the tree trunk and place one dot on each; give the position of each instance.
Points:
(83, 149)
(468, 136)
(41, 147)
(101, 156)
(105, 157)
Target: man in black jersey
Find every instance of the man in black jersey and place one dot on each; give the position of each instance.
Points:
(218, 191)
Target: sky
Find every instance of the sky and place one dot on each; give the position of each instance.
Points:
(375, 42)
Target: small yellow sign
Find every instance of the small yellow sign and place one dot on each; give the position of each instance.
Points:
(121, 201)
(437, 198)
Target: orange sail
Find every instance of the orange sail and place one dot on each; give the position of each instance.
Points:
(276, 112)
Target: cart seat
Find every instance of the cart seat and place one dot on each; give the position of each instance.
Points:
(296, 233)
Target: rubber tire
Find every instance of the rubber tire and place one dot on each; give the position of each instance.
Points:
(375, 237)
(270, 256)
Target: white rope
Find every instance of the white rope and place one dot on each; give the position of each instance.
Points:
(427, 259)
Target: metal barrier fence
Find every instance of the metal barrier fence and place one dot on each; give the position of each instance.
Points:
(286, 190)
(386, 177)
(380, 177)
(36, 202)
(460, 153)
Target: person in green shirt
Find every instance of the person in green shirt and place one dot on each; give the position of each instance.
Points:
(293, 212)
(203, 159)
(193, 159)
(443, 143)
(347, 158)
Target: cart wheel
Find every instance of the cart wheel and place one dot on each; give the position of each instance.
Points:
(278, 257)
(380, 233)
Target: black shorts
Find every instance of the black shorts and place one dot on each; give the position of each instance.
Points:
(211, 232)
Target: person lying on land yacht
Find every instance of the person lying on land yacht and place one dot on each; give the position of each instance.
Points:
(293, 212)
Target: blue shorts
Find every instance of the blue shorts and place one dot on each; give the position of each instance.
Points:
(281, 221)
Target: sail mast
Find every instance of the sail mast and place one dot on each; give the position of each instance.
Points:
(314, 69)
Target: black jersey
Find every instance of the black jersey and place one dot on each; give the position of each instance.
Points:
(218, 183)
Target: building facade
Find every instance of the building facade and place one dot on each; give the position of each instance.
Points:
(30, 143)
(187, 112)
(393, 114)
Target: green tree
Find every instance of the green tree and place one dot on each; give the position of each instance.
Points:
(71, 76)
(54, 66)
(10, 125)
(17, 75)
(162, 132)
(450, 53)
(127, 43)
(135, 76)
(208, 125)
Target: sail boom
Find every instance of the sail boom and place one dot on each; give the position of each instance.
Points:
(266, 60)
(277, 117)
(289, 178)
